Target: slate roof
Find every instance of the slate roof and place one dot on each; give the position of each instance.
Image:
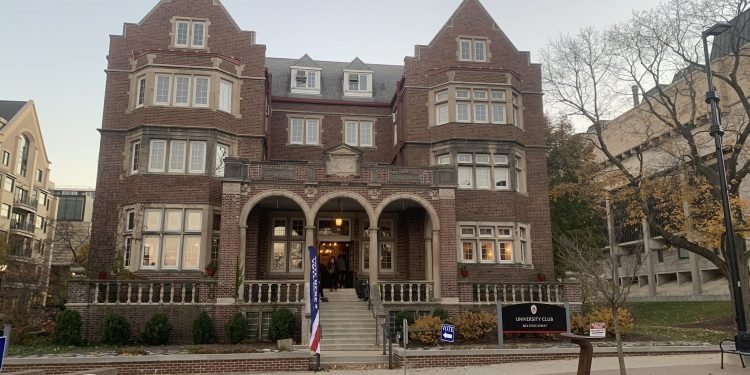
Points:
(723, 44)
(384, 78)
(9, 108)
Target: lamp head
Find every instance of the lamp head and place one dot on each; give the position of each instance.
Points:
(717, 29)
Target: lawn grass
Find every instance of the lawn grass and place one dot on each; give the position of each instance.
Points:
(709, 321)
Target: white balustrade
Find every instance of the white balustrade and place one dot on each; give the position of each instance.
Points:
(162, 292)
(406, 291)
(519, 293)
(273, 292)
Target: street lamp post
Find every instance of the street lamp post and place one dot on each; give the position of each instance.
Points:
(712, 98)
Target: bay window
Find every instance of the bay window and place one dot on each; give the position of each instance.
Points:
(474, 105)
(172, 239)
(225, 96)
(487, 171)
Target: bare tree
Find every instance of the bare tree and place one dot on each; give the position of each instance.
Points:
(603, 275)
(72, 239)
(668, 166)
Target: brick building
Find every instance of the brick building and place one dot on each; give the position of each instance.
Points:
(26, 206)
(213, 153)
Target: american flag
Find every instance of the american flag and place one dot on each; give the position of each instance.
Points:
(314, 302)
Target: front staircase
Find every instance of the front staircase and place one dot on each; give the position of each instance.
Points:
(346, 323)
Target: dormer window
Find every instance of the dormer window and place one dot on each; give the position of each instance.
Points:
(305, 81)
(190, 33)
(358, 83)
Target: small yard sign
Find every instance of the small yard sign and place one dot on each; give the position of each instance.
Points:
(598, 330)
(448, 333)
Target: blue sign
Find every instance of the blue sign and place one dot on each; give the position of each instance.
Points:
(314, 302)
(448, 333)
(2, 351)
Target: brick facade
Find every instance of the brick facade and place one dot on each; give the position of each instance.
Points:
(264, 174)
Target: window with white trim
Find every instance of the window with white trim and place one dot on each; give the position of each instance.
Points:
(484, 171)
(520, 168)
(157, 155)
(493, 243)
(135, 157)
(9, 184)
(358, 133)
(178, 90)
(6, 158)
(141, 92)
(5, 211)
(172, 238)
(162, 89)
(225, 96)
(472, 49)
(177, 150)
(517, 117)
(472, 105)
(305, 81)
(127, 252)
(287, 244)
(201, 87)
(197, 157)
(190, 33)
(441, 114)
(358, 84)
(386, 242)
(444, 159)
(304, 131)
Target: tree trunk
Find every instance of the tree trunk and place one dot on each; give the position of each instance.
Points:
(744, 278)
(618, 339)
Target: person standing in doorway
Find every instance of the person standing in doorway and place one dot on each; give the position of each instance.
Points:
(343, 268)
(332, 272)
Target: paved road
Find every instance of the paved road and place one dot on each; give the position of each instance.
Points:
(703, 364)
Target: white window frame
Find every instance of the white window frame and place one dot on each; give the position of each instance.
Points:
(307, 137)
(168, 77)
(161, 233)
(354, 139)
(359, 92)
(173, 154)
(177, 31)
(493, 249)
(473, 53)
(312, 86)
(202, 163)
(440, 110)
(504, 233)
(202, 43)
(289, 240)
(520, 173)
(177, 78)
(470, 170)
(444, 159)
(226, 89)
(160, 167)
(140, 96)
(190, 25)
(467, 112)
(476, 112)
(195, 91)
(499, 119)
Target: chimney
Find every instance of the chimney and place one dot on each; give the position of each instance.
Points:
(636, 100)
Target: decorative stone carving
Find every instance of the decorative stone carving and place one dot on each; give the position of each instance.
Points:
(311, 191)
(343, 160)
(374, 193)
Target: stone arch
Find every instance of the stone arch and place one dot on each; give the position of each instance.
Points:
(343, 194)
(431, 212)
(274, 193)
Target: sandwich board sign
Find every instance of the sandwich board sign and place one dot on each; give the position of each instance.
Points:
(598, 330)
(447, 333)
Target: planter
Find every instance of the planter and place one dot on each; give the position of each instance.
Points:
(540, 277)
(285, 345)
(210, 272)
(464, 273)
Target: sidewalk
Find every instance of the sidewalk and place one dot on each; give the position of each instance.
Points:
(702, 364)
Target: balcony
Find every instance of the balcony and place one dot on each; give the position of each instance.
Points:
(26, 202)
(24, 226)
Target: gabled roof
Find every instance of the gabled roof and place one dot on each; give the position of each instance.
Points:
(384, 79)
(357, 64)
(306, 61)
(9, 108)
(738, 36)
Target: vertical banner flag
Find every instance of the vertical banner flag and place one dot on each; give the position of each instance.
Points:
(314, 302)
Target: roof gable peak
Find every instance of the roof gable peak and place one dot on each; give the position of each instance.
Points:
(357, 64)
(306, 61)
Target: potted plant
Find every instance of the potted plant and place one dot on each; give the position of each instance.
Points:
(211, 268)
(464, 270)
(540, 277)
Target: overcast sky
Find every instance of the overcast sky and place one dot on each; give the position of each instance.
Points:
(53, 51)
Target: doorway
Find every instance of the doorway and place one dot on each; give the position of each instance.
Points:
(343, 253)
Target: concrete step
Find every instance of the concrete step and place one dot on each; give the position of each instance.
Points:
(329, 334)
(334, 353)
(365, 314)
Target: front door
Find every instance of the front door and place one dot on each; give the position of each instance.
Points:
(341, 252)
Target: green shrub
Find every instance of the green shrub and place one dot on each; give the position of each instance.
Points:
(430, 328)
(475, 325)
(236, 328)
(203, 329)
(67, 328)
(282, 325)
(441, 313)
(157, 330)
(400, 316)
(116, 330)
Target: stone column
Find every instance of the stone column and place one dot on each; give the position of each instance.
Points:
(428, 256)
(374, 257)
(436, 263)
(649, 259)
(242, 256)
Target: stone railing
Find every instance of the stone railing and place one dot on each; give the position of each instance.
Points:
(161, 292)
(406, 291)
(273, 292)
(553, 293)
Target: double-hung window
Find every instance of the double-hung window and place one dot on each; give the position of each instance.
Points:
(182, 91)
(481, 171)
(177, 151)
(305, 81)
(135, 157)
(162, 89)
(201, 86)
(157, 155)
(386, 242)
(197, 157)
(472, 49)
(358, 133)
(500, 170)
(225, 96)
(465, 171)
(141, 92)
(190, 34)
(520, 173)
(358, 84)
(304, 131)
